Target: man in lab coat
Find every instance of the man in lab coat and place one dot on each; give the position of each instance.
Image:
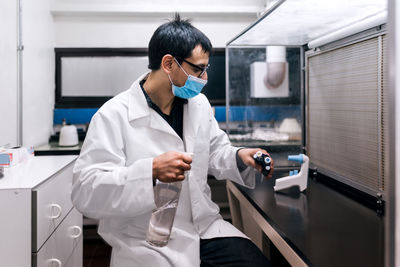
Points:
(138, 137)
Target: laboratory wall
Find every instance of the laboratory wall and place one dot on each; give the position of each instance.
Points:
(101, 23)
(38, 72)
(92, 23)
(8, 73)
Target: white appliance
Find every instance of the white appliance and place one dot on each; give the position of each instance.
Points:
(68, 135)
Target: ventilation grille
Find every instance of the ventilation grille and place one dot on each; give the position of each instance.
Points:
(347, 113)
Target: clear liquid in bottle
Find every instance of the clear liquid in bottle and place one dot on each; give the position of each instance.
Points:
(166, 196)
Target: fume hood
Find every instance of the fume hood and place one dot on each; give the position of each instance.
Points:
(330, 97)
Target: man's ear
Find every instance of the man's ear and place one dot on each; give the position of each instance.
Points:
(167, 63)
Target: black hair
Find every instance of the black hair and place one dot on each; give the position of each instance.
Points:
(178, 38)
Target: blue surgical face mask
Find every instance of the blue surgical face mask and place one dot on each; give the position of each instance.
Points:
(191, 88)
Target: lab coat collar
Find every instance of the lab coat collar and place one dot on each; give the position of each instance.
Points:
(140, 113)
(139, 109)
(191, 123)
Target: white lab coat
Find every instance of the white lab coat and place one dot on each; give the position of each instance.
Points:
(113, 178)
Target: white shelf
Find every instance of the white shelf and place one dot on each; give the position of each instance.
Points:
(33, 172)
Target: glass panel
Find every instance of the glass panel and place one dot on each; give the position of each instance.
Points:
(259, 115)
(100, 76)
(296, 22)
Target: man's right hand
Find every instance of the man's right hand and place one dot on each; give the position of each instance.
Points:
(171, 166)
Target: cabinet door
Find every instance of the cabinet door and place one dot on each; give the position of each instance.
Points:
(64, 247)
(52, 201)
(76, 239)
(15, 227)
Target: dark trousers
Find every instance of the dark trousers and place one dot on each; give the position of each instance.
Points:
(232, 252)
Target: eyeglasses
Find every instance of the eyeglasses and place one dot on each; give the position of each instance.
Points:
(200, 68)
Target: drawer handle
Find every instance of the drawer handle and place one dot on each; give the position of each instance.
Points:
(56, 261)
(58, 211)
(78, 231)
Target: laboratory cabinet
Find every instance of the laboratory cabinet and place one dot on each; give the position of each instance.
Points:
(39, 226)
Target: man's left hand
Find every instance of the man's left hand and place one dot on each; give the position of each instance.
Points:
(246, 154)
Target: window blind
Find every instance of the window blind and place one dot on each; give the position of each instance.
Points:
(347, 112)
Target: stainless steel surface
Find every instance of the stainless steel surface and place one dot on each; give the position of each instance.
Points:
(53, 148)
(268, 11)
(392, 256)
(297, 22)
(358, 37)
(346, 180)
(227, 89)
(302, 96)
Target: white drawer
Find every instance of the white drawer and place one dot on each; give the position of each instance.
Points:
(51, 203)
(64, 247)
